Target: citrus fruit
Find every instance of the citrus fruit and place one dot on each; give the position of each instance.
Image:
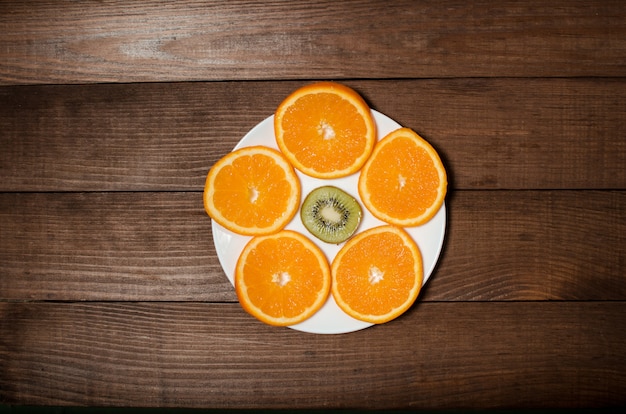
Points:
(282, 279)
(325, 129)
(252, 191)
(378, 274)
(404, 181)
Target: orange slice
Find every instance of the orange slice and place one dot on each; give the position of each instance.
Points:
(325, 129)
(404, 181)
(252, 191)
(378, 274)
(282, 279)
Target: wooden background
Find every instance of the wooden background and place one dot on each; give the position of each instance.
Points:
(111, 114)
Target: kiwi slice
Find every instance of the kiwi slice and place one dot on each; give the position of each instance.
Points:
(330, 214)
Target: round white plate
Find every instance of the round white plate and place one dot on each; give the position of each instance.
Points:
(330, 319)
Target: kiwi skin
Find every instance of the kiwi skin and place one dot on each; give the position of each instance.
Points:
(342, 214)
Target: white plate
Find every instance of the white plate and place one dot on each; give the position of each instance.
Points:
(330, 319)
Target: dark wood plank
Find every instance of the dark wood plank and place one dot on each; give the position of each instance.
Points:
(543, 245)
(438, 355)
(69, 42)
(501, 245)
(492, 133)
(124, 246)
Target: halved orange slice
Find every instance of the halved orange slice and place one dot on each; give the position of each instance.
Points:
(378, 274)
(404, 181)
(282, 279)
(252, 191)
(325, 129)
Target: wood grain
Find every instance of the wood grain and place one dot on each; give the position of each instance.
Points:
(492, 133)
(111, 114)
(436, 356)
(109, 246)
(78, 42)
(503, 245)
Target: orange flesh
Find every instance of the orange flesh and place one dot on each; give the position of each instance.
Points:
(252, 196)
(326, 126)
(279, 285)
(282, 279)
(376, 284)
(394, 186)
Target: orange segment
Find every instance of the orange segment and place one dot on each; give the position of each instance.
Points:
(252, 191)
(377, 275)
(282, 279)
(404, 181)
(326, 130)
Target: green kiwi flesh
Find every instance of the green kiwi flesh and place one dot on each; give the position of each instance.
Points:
(330, 214)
